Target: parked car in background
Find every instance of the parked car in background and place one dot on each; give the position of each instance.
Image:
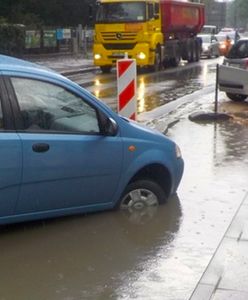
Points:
(231, 33)
(64, 152)
(236, 87)
(225, 43)
(210, 45)
(209, 29)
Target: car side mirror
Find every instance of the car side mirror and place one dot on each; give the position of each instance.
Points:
(108, 125)
(110, 128)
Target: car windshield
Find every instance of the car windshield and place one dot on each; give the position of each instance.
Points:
(121, 12)
(221, 38)
(239, 50)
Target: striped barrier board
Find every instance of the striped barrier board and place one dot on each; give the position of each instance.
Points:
(126, 87)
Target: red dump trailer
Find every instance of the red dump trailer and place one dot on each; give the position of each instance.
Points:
(181, 21)
(182, 18)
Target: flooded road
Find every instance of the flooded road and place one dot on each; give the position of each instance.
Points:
(154, 89)
(157, 255)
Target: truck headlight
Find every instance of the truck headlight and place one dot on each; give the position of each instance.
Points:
(178, 151)
(141, 55)
(97, 56)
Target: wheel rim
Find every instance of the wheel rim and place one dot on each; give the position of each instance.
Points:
(139, 206)
(139, 199)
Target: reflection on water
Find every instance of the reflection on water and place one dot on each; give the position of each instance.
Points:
(235, 141)
(156, 89)
(86, 257)
(160, 88)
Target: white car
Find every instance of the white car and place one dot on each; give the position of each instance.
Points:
(210, 45)
(236, 83)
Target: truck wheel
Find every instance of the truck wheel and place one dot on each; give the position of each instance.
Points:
(193, 54)
(174, 62)
(198, 51)
(105, 69)
(141, 194)
(236, 97)
(157, 63)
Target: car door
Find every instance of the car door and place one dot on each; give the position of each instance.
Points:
(10, 157)
(67, 162)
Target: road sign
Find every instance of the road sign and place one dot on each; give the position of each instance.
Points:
(126, 87)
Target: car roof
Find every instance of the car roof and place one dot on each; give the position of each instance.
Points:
(204, 35)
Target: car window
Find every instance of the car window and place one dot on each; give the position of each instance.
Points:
(46, 106)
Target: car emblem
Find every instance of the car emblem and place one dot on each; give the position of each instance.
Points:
(118, 35)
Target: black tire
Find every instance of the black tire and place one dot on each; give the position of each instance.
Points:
(210, 54)
(191, 53)
(198, 52)
(157, 63)
(105, 69)
(141, 194)
(175, 61)
(236, 97)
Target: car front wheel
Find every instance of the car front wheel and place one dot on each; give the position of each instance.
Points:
(236, 97)
(141, 194)
(140, 201)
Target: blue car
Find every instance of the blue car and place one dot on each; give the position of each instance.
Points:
(64, 152)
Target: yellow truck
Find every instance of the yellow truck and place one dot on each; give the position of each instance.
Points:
(154, 32)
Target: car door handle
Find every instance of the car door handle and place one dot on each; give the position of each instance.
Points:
(40, 147)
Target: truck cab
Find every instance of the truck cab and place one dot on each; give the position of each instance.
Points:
(126, 26)
(155, 33)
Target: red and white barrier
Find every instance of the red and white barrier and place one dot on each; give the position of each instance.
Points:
(126, 87)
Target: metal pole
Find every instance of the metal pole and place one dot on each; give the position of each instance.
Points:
(216, 90)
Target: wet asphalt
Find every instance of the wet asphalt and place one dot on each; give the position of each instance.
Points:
(194, 247)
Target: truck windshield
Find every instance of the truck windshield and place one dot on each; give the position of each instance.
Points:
(121, 12)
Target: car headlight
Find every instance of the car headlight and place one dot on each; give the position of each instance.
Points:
(97, 56)
(141, 55)
(178, 151)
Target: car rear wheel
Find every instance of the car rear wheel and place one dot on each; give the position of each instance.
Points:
(236, 97)
(141, 194)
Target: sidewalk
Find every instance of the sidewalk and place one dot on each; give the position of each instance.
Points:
(226, 276)
(65, 64)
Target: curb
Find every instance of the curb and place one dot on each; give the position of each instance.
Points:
(74, 72)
